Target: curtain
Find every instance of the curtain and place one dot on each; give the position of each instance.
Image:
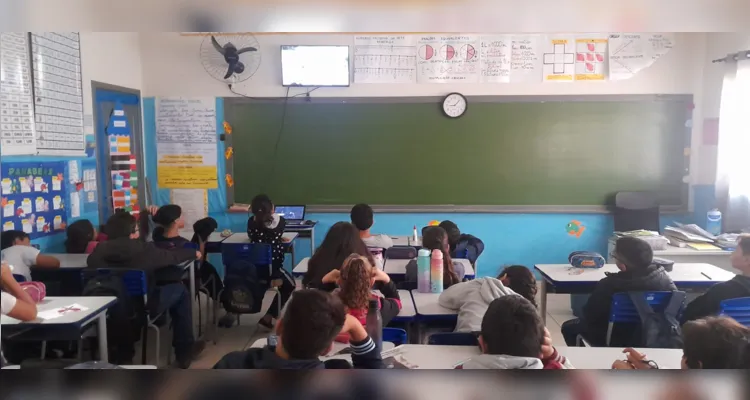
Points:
(733, 169)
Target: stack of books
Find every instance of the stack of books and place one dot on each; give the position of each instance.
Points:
(695, 237)
(657, 241)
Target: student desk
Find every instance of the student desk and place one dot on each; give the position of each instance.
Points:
(213, 245)
(305, 231)
(337, 346)
(405, 240)
(70, 261)
(428, 308)
(408, 310)
(63, 281)
(242, 238)
(301, 268)
(66, 327)
(397, 268)
(563, 278)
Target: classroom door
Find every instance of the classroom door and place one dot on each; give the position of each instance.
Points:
(117, 114)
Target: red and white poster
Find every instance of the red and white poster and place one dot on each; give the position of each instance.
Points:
(448, 58)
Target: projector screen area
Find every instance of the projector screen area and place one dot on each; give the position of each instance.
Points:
(315, 65)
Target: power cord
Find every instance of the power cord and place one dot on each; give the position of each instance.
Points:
(278, 139)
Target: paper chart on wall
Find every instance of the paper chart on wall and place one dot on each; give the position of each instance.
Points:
(591, 58)
(16, 103)
(385, 59)
(495, 58)
(75, 205)
(632, 52)
(526, 61)
(448, 58)
(194, 204)
(558, 58)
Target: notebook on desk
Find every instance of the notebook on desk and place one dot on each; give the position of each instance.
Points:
(294, 215)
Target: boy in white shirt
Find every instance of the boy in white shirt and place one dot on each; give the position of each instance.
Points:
(17, 251)
(14, 302)
(362, 218)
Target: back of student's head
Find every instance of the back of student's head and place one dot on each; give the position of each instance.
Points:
(436, 238)
(79, 234)
(633, 252)
(521, 280)
(340, 242)
(356, 282)
(716, 343)
(362, 216)
(120, 225)
(9, 238)
(262, 208)
(454, 234)
(166, 217)
(312, 320)
(512, 326)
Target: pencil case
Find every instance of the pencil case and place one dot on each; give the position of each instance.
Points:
(37, 290)
(586, 259)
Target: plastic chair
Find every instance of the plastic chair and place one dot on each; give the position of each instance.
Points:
(738, 309)
(623, 311)
(259, 254)
(203, 287)
(401, 253)
(636, 210)
(395, 335)
(453, 339)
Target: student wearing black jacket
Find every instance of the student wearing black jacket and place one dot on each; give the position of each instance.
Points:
(633, 257)
(312, 320)
(123, 249)
(462, 245)
(708, 304)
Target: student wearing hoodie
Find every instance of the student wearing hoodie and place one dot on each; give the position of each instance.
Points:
(472, 298)
(265, 226)
(462, 245)
(311, 321)
(513, 336)
(634, 258)
(739, 286)
(123, 249)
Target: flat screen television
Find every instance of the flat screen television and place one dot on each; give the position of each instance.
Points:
(314, 66)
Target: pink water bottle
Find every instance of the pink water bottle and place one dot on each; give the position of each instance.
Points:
(436, 272)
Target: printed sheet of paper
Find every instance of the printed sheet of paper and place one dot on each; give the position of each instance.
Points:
(448, 58)
(632, 52)
(194, 204)
(16, 104)
(526, 61)
(59, 312)
(73, 174)
(186, 143)
(558, 58)
(495, 58)
(75, 205)
(385, 59)
(591, 58)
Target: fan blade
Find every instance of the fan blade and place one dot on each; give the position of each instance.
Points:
(246, 49)
(217, 46)
(230, 71)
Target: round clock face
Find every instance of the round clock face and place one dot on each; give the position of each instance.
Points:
(454, 105)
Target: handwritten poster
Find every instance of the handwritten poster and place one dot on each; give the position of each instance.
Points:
(33, 197)
(385, 59)
(632, 52)
(194, 204)
(16, 104)
(525, 58)
(495, 58)
(448, 58)
(591, 58)
(89, 194)
(186, 143)
(558, 59)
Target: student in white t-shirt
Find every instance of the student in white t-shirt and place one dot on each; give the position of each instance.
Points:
(17, 251)
(363, 218)
(14, 302)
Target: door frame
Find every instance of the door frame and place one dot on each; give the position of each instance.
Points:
(136, 146)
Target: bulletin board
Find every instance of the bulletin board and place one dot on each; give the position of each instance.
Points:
(33, 197)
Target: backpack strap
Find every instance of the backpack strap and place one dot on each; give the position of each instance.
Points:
(675, 304)
(641, 305)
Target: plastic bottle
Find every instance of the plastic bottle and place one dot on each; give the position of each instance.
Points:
(423, 271)
(374, 323)
(713, 222)
(436, 272)
(415, 238)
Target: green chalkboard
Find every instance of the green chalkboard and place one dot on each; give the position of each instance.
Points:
(558, 151)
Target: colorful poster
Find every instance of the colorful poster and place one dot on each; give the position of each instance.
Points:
(448, 59)
(632, 52)
(123, 166)
(591, 58)
(385, 59)
(186, 143)
(495, 58)
(33, 197)
(558, 59)
(16, 104)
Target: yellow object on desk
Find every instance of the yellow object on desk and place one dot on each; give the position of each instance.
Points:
(702, 246)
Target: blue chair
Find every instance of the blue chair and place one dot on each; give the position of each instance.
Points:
(738, 309)
(395, 335)
(453, 339)
(201, 286)
(401, 253)
(259, 254)
(19, 278)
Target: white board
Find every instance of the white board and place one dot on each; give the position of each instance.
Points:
(448, 59)
(385, 59)
(16, 102)
(632, 52)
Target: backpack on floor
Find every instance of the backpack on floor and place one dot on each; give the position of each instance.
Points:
(660, 330)
(122, 319)
(243, 292)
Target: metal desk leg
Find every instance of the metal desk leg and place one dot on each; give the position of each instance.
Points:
(312, 241)
(192, 297)
(102, 336)
(543, 302)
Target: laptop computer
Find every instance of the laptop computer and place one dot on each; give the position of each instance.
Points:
(294, 215)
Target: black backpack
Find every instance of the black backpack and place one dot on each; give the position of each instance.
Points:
(243, 292)
(660, 330)
(123, 328)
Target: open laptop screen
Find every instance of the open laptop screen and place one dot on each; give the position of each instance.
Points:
(291, 213)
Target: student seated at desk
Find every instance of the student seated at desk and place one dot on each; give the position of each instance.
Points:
(462, 245)
(513, 336)
(81, 237)
(362, 217)
(341, 241)
(739, 286)
(710, 343)
(355, 281)
(633, 257)
(472, 298)
(14, 301)
(435, 238)
(311, 321)
(18, 252)
(123, 249)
